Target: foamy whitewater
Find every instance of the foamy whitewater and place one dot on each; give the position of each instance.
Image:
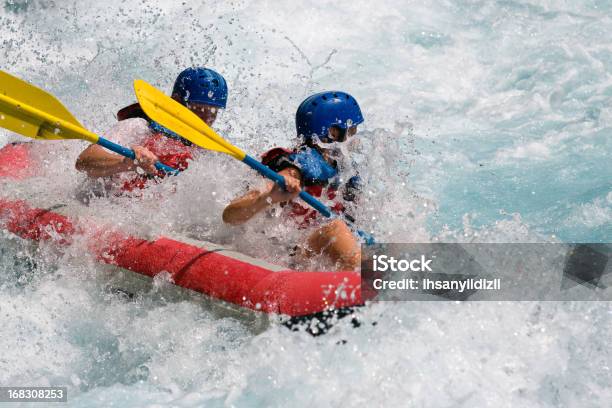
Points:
(486, 121)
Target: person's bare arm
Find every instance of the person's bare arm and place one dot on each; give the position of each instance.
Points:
(245, 207)
(96, 161)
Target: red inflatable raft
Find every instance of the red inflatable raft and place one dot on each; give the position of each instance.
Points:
(196, 265)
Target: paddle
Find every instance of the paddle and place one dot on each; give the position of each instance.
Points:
(179, 119)
(32, 112)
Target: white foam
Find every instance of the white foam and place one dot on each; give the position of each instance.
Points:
(513, 92)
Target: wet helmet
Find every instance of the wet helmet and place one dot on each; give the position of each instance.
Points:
(323, 110)
(201, 85)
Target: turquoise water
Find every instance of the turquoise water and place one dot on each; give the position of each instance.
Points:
(485, 121)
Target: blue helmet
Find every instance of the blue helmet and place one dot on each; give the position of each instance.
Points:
(323, 110)
(201, 85)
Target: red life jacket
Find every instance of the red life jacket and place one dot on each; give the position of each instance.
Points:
(170, 151)
(304, 215)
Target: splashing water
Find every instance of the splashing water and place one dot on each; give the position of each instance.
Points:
(485, 121)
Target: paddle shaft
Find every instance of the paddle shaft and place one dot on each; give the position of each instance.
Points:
(129, 153)
(280, 180)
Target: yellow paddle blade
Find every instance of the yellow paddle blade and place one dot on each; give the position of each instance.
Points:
(32, 112)
(179, 119)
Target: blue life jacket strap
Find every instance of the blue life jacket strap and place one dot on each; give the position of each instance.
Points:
(157, 128)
